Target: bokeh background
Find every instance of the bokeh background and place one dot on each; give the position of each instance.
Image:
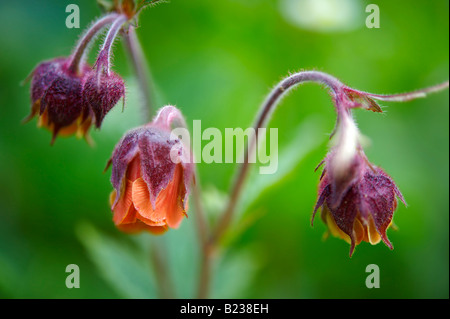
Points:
(216, 60)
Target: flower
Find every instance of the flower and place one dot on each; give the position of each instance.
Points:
(57, 98)
(358, 199)
(151, 183)
(364, 210)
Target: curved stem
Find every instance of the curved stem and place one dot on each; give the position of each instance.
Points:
(78, 54)
(261, 119)
(141, 68)
(343, 105)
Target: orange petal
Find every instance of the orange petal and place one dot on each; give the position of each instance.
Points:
(131, 216)
(77, 127)
(122, 210)
(175, 216)
(173, 199)
(68, 130)
(43, 120)
(141, 201)
(149, 222)
(139, 226)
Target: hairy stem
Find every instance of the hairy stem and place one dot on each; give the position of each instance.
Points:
(343, 105)
(79, 53)
(408, 96)
(104, 57)
(261, 119)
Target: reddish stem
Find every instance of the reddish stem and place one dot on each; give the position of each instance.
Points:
(80, 50)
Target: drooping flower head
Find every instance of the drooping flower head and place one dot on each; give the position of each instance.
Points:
(151, 174)
(57, 98)
(363, 210)
(67, 95)
(104, 88)
(357, 199)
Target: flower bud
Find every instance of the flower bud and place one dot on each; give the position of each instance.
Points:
(57, 96)
(150, 188)
(101, 94)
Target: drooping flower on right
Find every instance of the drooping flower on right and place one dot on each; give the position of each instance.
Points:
(356, 198)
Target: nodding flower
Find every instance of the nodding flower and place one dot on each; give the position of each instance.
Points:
(68, 95)
(151, 182)
(57, 98)
(363, 210)
(357, 199)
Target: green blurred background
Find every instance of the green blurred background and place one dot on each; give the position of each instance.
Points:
(216, 60)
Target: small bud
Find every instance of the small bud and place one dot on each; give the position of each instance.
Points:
(101, 94)
(150, 189)
(103, 88)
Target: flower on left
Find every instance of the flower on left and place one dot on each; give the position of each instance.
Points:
(68, 95)
(57, 98)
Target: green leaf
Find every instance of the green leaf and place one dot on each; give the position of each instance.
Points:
(233, 274)
(184, 257)
(124, 267)
(180, 250)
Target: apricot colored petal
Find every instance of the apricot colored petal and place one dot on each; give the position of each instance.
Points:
(123, 206)
(149, 222)
(174, 199)
(139, 226)
(141, 201)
